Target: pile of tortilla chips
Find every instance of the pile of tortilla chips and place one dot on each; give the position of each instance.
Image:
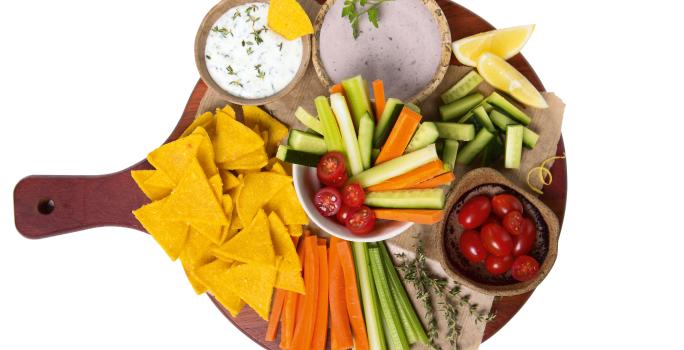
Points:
(288, 18)
(228, 209)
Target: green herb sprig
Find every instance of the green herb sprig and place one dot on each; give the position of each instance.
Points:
(369, 7)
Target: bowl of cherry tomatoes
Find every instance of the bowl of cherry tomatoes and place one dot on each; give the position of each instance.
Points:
(337, 206)
(497, 238)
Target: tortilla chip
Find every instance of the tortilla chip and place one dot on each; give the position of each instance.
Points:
(253, 283)
(287, 206)
(277, 168)
(227, 109)
(264, 136)
(152, 192)
(257, 190)
(214, 276)
(251, 245)
(174, 157)
(202, 120)
(277, 131)
(205, 153)
(282, 244)
(210, 232)
(161, 180)
(170, 235)
(195, 283)
(217, 186)
(197, 250)
(230, 181)
(234, 139)
(226, 232)
(295, 230)
(291, 280)
(251, 161)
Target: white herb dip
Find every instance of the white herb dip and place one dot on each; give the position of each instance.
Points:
(246, 58)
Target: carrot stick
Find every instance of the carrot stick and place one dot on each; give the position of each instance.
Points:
(305, 327)
(340, 332)
(321, 327)
(336, 89)
(400, 136)
(440, 180)
(273, 321)
(352, 296)
(419, 216)
(412, 178)
(379, 94)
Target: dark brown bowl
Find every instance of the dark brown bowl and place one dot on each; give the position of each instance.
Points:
(490, 182)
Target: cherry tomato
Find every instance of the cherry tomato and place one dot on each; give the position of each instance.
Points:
(492, 219)
(331, 169)
(328, 201)
(498, 265)
(496, 240)
(503, 203)
(525, 240)
(471, 247)
(353, 195)
(524, 268)
(361, 220)
(513, 222)
(474, 212)
(343, 214)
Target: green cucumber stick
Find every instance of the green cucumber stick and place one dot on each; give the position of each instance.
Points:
(366, 129)
(369, 298)
(331, 132)
(357, 93)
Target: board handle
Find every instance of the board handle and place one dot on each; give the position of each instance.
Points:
(50, 205)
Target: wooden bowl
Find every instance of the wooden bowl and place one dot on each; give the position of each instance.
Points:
(441, 69)
(201, 42)
(490, 182)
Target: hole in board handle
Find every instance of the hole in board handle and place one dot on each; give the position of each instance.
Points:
(46, 206)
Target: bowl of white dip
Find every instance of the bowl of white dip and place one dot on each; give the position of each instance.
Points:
(242, 59)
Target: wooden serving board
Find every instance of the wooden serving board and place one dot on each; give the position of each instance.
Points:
(45, 206)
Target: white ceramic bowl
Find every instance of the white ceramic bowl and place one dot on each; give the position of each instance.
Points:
(306, 185)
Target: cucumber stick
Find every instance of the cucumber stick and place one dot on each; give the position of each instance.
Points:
(406, 199)
(502, 122)
(331, 133)
(514, 141)
(460, 107)
(426, 134)
(483, 118)
(306, 142)
(366, 127)
(474, 147)
(413, 107)
(395, 167)
(351, 143)
(449, 154)
(503, 104)
(356, 90)
(308, 120)
(456, 131)
(389, 116)
(375, 152)
(470, 114)
(369, 298)
(394, 330)
(463, 87)
(289, 155)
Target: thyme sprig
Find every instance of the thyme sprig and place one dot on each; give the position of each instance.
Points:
(369, 7)
(223, 31)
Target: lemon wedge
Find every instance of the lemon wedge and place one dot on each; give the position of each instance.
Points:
(504, 43)
(501, 75)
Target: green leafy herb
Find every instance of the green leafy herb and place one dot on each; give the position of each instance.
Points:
(230, 70)
(252, 19)
(369, 7)
(250, 50)
(222, 30)
(280, 46)
(236, 83)
(208, 57)
(260, 73)
(236, 14)
(250, 9)
(247, 43)
(257, 36)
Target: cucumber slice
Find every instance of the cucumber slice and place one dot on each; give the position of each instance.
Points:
(530, 138)
(351, 144)
(474, 147)
(502, 122)
(455, 131)
(289, 155)
(303, 141)
(449, 154)
(426, 134)
(413, 107)
(389, 116)
(331, 133)
(460, 107)
(356, 90)
(366, 127)
(470, 114)
(407, 199)
(463, 87)
(375, 152)
(308, 120)
(502, 103)
(482, 117)
(514, 141)
(395, 167)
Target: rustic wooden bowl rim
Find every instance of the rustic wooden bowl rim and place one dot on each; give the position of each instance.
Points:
(200, 43)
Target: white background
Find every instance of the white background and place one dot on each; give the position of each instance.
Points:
(89, 87)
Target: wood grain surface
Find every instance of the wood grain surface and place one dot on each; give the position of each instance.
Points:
(45, 206)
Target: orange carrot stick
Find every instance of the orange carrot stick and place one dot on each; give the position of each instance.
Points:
(340, 331)
(352, 296)
(305, 328)
(400, 136)
(276, 310)
(300, 299)
(379, 94)
(440, 180)
(336, 89)
(289, 313)
(321, 326)
(412, 178)
(419, 216)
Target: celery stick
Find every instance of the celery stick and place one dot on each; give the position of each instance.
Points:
(351, 144)
(394, 331)
(307, 119)
(395, 167)
(331, 133)
(366, 129)
(369, 299)
(356, 90)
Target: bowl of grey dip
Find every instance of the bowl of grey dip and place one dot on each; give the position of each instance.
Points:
(242, 59)
(409, 50)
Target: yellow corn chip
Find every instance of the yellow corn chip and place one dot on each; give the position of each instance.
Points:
(205, 153)
(152, 192)
(251, 245)
(264, 136)
(217, 186)
(277, 168)
(210, 232)
(227, 109)
(196, 284)
(257, 116)
(197, 250)
(253, 283)
(252, 161)
(287, 206)
(226, 233)
(170, 235)
(161, 180)
(257, 190)
(214, 276)
(233, 139)
(282, 244)
(230, 181)
(287, 18)
(290, 279)
(174, 157)
(203, 120)
(295, 230)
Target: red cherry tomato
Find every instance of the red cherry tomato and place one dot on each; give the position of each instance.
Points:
(491, 220)
(331, 169)
(361, 220)
(513, 222)
(525, 240)
(471, 247)
(474, 212)
(524, 268)
(343, 214)
(353, 195)
(503, 203)
(328, 201)
(498, 265)
(496, 240)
